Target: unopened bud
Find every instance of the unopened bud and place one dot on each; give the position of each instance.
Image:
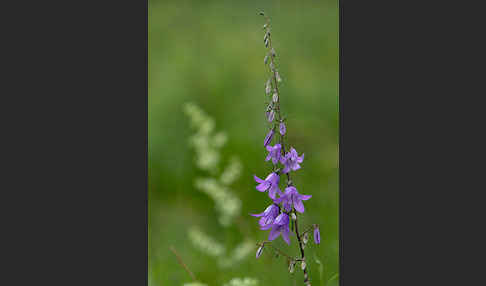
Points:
(259, 251)
(275, 97)
(303, 265)
(268, 87)
(270, 116)
(279, 79)
(292, 266)
(305, 239)
(265, 60)
(294, 217)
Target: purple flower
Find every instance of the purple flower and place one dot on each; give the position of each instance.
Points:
(274, 153)
(291, 161)
(282, 128)
(268, 216)
(268, 138)
(280, 226)
(290, 198)
(317, 235)
(270, 183)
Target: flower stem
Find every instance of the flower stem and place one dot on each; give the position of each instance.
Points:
(301, 246)
(281, 141)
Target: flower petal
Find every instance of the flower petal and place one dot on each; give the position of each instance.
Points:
(257, 215)
(305, 197)
(286, 169)
(272, 192)
(285, 235)
(298, 205)
(263, 186)
(266, 227)
(300, 159)
(274, 233)
(258, 180)
(287, 205)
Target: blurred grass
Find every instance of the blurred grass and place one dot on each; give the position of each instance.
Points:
(211, 53)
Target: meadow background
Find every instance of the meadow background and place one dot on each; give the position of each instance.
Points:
(211, 53)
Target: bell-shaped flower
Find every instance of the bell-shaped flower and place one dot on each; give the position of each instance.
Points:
(279, 226)
(291, 161)
(268, 216)
(270, 183)
(274, 153)
(290, 198)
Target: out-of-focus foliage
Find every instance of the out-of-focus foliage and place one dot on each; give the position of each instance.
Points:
(211, 53)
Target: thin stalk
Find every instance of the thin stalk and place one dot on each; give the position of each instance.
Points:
(179, 259)
(281, 141)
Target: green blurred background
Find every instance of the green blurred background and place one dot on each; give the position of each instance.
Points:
(211, 53)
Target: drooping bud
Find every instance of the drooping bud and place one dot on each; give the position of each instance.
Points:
(268, 86)
(292, 266)
(272, 51)
(265, 60)
(317, 235)
(275, 97)
(272, 67)
(294, 217)
(271, 116)
(268, 138)
(259, 251)
(303, 265)
(305, 239)
(282, 128)
(279, 79)
(266, 43)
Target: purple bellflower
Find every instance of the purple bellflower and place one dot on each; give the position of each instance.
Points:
(279, 226)
(291, 161)
(268, 216)
(274, 153)
(290, 198)
(270, 183)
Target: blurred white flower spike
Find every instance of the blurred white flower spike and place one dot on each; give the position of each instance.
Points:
(207, 144)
